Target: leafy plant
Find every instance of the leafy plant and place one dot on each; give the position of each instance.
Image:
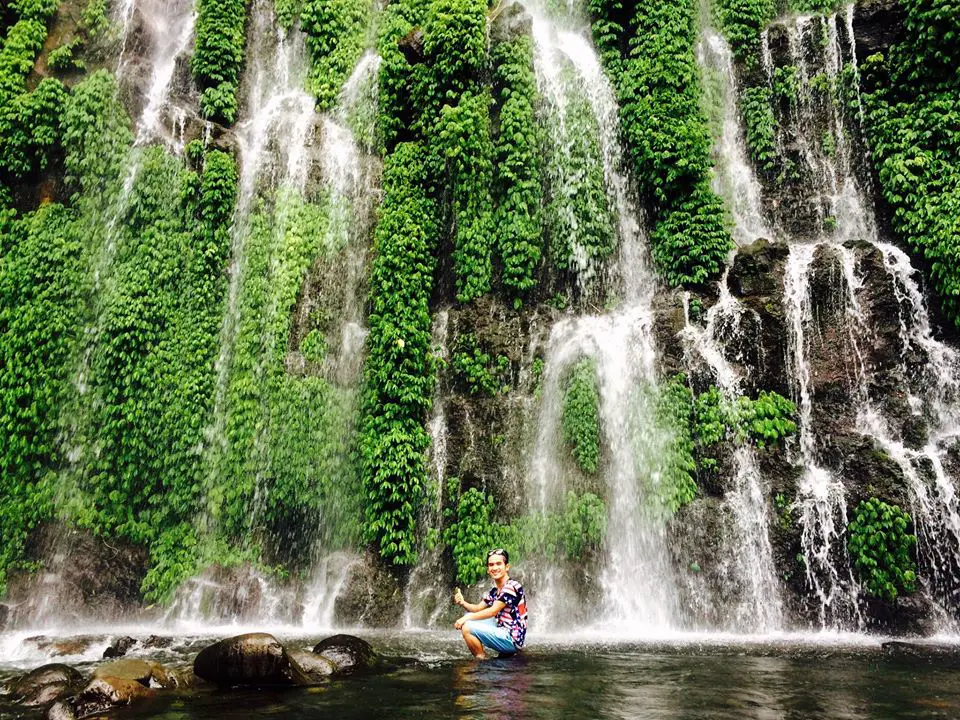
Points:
(650, 55)
(335, 32)
(218, 56)
(581, 415)
(881, 548)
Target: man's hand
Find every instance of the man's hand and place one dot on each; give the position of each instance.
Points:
(458, 597)
(460, 621)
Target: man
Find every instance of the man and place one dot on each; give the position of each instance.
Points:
(499, 621)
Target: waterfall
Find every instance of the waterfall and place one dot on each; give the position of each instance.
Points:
(747, 550)
(636, 581)
(734, 179)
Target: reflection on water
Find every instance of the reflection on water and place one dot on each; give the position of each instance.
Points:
(690, 681)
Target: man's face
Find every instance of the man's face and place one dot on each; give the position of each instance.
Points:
(496, 567)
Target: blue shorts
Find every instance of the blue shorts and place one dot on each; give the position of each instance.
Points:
(491, 636)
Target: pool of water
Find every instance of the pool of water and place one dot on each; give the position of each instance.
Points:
(821, 677)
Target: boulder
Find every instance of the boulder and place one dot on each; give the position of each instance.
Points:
(317, 667)
(61, 710)
(44, 685)
(349, 654)
(252, 659)
(148, 674)
(105, 693)
(119, 647)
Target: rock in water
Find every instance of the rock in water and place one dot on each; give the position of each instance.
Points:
(349, 654)
(119, 647)
(148, 674)
(44, 685)
(317, 667)
(252, 659)
(104, 693)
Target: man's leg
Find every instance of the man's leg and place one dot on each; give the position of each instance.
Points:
(473, 643)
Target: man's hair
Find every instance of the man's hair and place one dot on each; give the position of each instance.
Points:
(500, 551)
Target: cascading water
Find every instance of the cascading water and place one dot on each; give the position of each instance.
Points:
(751, 601)
(636, 580)
(734, 178)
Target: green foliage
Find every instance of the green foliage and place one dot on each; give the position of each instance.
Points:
(760, 126)
(573, 530)
(30, 127)
(673, 408)
(581, 415)
(820, 7)
(580, 225)
(519, 195)
(34, 9)
(652, 63)
(463, 138)
(472, 534)
(288, 12)
(218, 56)
(40, 310)
(476, 367)
(335, 33)
(767, 419)
(399, 372)
(94, 19)
(741, 22)
(881, 549)
(912, 111)
(61, 59)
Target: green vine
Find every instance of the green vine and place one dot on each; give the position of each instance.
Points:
(218, 56)
(581, 415)
(335, 34)
(881, 549)
(650, 55)
(912, 109)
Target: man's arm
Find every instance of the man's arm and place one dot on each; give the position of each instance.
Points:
(469, 607)
(486, 612)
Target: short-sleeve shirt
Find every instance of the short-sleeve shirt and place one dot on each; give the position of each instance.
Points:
(514, 614)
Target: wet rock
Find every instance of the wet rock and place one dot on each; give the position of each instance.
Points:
(67, 646)
(510, 23)
(119, 647)
(877, 24)
(370, 596)
(61, 710)
(411, 45)
(83, 576)
(44, 685)
(349, 654)
(4, 614)
(252, 659)
(145, 672)
(158, 641)
(318, 667)
(106, 693)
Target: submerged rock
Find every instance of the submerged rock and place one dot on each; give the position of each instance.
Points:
(252, 659)
(44, 685)
(348, 653)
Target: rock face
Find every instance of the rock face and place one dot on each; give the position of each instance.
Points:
(252, 659)
(877, 25)
(44, 685)
(347, 653)
(84, 576)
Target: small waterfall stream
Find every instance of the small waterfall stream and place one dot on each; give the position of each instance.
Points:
(638, 592)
